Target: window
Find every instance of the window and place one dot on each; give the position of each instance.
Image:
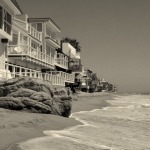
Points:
(48, 32)
(33, 25)
(1, 17)
(33, 45)
(50, 50)
(7, 22)
(39, 27)
(53, 35)
(23, 40)
(14, 39)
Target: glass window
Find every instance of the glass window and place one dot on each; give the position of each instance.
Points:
(33, 25)
(52, 52)
(48, 49)
(33, 45)
(14, 39)
(1, 17)
(39, 27)
(48, 32)
(53, 35)
(7, 22)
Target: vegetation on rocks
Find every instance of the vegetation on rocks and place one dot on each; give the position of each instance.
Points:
(35, 95)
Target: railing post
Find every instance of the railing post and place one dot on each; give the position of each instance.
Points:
(20, 71)
(30, 73)
(25, 73)
(35, 74)
(6, 66)
(13, 71)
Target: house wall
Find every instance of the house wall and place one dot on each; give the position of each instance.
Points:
(2, 56)
(4, 34)
(68, 50)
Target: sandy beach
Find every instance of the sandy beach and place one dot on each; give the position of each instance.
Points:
(18, 126)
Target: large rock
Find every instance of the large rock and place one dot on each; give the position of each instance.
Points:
(35, 95)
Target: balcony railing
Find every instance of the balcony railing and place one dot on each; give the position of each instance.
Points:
(62, 63)
(33, 32)
(53, 40)
(68, 77)
(22, 50)
(13, 71)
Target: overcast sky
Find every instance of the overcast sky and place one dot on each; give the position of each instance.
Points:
(114, 36)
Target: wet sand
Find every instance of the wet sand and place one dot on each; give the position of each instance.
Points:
(19, 126)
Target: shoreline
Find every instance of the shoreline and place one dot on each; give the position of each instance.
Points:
(18, 129)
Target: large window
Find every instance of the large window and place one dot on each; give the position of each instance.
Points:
(37, 26)
(50, 33)
(5, 20)
(14, 39)
(50, 50)
(1, 17)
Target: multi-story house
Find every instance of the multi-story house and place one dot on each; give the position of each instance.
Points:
(31, 47)
(51, 47)
(74, 64)
(8, 9)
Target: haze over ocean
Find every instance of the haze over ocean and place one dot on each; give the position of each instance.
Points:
(114, 36)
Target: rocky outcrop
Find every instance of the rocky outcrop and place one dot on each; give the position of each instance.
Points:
(35, 95)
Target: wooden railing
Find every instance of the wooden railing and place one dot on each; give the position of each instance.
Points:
(62, 61)
(68, 77)
(33, 32)
(21, 50)
(12, 71)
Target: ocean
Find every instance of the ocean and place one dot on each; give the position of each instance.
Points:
(124, 125)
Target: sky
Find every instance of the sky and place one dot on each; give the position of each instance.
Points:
(114, 36)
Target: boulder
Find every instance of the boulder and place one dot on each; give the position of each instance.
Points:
(35, 95)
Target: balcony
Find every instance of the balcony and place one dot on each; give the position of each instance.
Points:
(61, 61)
(66, 76)
(34, 33)
(30, 54)
(12, 71)
(55, 42)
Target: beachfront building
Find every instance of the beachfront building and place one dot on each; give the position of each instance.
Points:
(51, 46)
(8, 9)
(74, 62)
(30, 48)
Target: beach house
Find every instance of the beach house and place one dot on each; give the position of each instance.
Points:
(8, 9)
(74, 65)
(51, 46)
(30, 47)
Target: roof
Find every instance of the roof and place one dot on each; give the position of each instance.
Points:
(45, 19)
(16, 5)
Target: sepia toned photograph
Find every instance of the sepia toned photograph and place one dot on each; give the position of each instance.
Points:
(74, 75)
